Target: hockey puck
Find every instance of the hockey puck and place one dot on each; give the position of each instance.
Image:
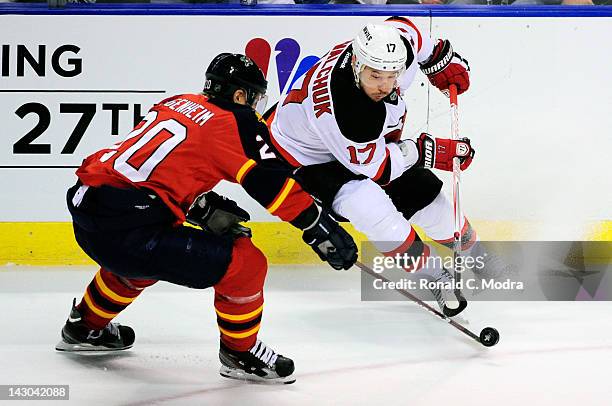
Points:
(489, 336)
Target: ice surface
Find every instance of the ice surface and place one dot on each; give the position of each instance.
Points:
(346, 351)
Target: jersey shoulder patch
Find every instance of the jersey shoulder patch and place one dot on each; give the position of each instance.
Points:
(392, 98)
(254, 134)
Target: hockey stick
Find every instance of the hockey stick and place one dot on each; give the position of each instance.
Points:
(456, 180)
(456, 201)
(488, 336)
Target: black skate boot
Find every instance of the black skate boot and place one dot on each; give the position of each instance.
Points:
(259, 364)
(76, 336)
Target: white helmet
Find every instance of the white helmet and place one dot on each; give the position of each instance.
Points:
(380, 47)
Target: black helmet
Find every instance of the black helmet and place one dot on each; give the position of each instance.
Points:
(230, 72)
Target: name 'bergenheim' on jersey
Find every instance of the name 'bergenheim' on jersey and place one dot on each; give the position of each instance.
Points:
(190, 109)
(327, 117)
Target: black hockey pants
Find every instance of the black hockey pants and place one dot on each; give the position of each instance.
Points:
(413, 190)
(131, 233)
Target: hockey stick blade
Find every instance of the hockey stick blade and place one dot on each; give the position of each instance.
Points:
(449, 311)
(426, 306)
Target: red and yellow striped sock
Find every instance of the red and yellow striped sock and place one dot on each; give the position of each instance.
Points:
(107, 295)
(239, 296)
(238, 323)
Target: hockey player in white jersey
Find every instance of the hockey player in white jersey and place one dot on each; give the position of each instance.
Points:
(341, 124)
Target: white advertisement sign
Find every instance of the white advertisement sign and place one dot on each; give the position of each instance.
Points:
(537, 111)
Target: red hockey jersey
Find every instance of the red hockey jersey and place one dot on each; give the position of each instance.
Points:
(186, 144)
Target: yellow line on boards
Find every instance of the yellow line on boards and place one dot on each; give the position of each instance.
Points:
(52, 243)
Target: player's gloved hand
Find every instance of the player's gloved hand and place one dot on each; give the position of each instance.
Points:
(219, 215)
(439, 152)
(445, 67)
(329, 240)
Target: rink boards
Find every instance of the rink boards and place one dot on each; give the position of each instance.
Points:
(537, 113)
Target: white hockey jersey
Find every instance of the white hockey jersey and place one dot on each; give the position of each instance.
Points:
(326, 117)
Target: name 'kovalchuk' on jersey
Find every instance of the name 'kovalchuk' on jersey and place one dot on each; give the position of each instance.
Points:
(336, 120)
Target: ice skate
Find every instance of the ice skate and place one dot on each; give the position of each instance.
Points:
(77, 337)
(259, 364)
(493, 265)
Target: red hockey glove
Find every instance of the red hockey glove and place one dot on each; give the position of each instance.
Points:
(439, 152)
(445, 67)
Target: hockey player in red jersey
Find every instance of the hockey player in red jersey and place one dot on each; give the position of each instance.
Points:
(341, 126)
(132, 199)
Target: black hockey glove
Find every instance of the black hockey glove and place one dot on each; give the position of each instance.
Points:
(330, 241)
(219, 215)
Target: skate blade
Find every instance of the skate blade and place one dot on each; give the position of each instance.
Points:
(233, 373)
(88, 348)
